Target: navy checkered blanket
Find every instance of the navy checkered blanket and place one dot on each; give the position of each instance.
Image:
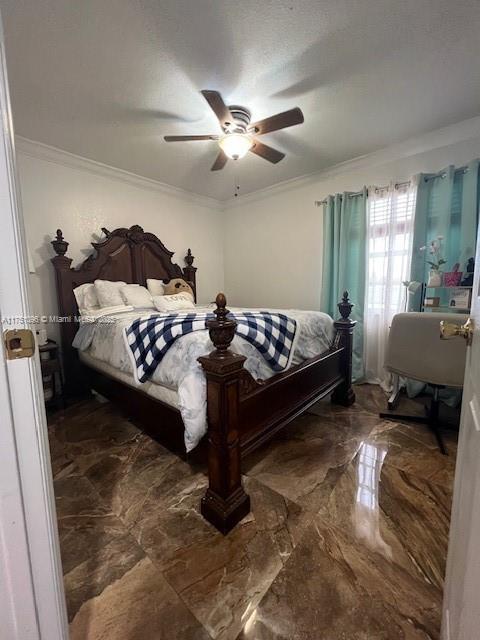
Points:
(149, 338)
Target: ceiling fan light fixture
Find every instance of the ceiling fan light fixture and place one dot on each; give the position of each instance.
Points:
(239, 135)
(235, 145)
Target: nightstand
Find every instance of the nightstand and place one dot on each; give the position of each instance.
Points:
(51, 374)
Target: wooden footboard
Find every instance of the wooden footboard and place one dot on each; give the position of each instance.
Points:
(243, 413)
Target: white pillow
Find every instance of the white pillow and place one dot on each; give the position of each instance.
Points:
(176, 302)
(136, 296)
(155, 287)
(86, 296)
(108, 293)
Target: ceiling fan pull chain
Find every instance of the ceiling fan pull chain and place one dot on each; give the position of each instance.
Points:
(236, 185)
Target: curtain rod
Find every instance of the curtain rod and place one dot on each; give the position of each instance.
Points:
(350, 195)
(319, 203)
(440, 174)
(397, 185)
(443, 174)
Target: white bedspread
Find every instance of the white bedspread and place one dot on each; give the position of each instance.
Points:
(179, 368)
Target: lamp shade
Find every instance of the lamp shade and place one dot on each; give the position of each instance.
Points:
(235, 145)
(414, 286)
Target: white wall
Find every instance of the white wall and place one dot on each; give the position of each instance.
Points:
(273, 239)
(80, 200)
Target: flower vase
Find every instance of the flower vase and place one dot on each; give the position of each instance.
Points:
(435, 278)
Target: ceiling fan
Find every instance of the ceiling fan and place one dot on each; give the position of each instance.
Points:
(238, 134)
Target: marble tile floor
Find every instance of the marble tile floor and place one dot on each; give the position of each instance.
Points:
(347, 537)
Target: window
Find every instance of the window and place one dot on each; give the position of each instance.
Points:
(390, 214)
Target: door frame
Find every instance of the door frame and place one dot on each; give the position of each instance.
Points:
(32, 598)
(460, 601)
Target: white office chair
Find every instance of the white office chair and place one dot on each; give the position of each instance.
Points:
(415, 350)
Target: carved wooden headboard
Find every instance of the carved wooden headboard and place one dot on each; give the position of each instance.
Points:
(131, 255)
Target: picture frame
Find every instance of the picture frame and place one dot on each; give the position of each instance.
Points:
(432, 301)
(460, 298)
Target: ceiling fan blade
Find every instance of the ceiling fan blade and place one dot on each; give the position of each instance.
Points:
(220, 162)
(278, 121)
(266, 152)
(218, 106)
(186, 138)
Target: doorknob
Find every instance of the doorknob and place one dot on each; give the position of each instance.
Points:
(450, 330)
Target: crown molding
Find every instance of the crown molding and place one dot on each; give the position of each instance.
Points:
(42, 151)
(458, 132)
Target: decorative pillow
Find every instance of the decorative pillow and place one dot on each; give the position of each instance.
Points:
(136, 296)
(109, 293)
(155, 287)
(178, 302)
(86, 296)
(177, 285)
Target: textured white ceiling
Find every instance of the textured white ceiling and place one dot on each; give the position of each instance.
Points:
(106, 80)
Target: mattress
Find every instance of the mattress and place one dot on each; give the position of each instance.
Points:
(153, 389)
(179, 379)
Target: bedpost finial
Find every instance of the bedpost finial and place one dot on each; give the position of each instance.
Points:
(189, 258)
(222, 329)
(221, 311)
(189, 272)
(345, 306)
(59, 244)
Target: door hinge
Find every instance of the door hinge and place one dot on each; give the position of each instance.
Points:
(19, 343)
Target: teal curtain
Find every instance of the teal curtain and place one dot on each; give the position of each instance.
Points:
(344, 262)
(447, 205)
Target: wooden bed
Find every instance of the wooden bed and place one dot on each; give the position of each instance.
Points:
(242, 413)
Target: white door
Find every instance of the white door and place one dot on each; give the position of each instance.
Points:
(32, 603)
(461, 612)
